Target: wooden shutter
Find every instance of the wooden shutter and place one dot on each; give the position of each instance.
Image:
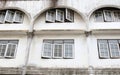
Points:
(57, 50)
(10, 50)
(9, 16)
(103, 49)
(50, 16)
(59, 15)
(69, 15)
(18, 17)
(68, 50)
(47, 50)
(108, 15)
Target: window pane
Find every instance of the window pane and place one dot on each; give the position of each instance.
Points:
(47, 50)
(69, 15)
(2, 16)
(103, 49)
(59, 15)
(108, 15)
(58, 50)
(11, 50)
(68, 50)
(99, 16)
(9, 16)
(116, 16)
(2, 49)
(50, 16)
(18, 17)
(114, 48)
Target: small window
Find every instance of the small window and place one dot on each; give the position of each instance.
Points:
(58, 48)
(69, 15)
(18, 17)
(7, 49)
(2, 16)
(109, 48)
(99, 16)
(59, 15)
(117, 16)
(9, 16)
(108, 15)
(50, 16)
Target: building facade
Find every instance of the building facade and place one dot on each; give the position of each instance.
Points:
(60, 37)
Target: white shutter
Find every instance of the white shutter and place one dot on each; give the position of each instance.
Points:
(47, 50)
(108, 15)
(114, 48)
(50, 16)
(2, 16)
(103, 49)
(10, 50)
(99, 16)
(68, 50)
(2, 49)
(9, 16)
(18, 17)
(57, 50)
(59, 15)
(69, 15)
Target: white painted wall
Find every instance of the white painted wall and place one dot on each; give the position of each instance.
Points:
(80, 53)
(94, 59)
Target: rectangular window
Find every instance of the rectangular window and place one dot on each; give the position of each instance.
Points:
(59, 15)
(69, 15)
(50, 16)
(116, 16)
(99, 16)
(109, 48)
(18, 17)
(8, 48)
(108, 15)
(58, 48)
(2, 16)
(9, 16)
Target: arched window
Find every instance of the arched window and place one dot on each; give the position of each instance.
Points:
(59, 15)
(11, 16)
(107, 15)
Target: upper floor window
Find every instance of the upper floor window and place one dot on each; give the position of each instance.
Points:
(8, 48)
(58, 48)
(11, 16)
(59, 15)
(109, 48)
(107, 15)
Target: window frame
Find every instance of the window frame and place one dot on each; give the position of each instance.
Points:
(109, 50)
(14, 18)
(105, 12)
(51, 19)
(102, 16)
(60, 42)
(59, 19)
(71, 14)
(6, 49)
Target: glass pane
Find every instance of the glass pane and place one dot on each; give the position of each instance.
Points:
(9, 16)
(2, 49)
(68, 50)
(47, 50)
(18, 16)
(2, 16)
(11, 49)
(108, 15)
(57, 50)
(99, 16)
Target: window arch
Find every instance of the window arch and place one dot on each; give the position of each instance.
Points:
(11, 16)
(107, 14)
